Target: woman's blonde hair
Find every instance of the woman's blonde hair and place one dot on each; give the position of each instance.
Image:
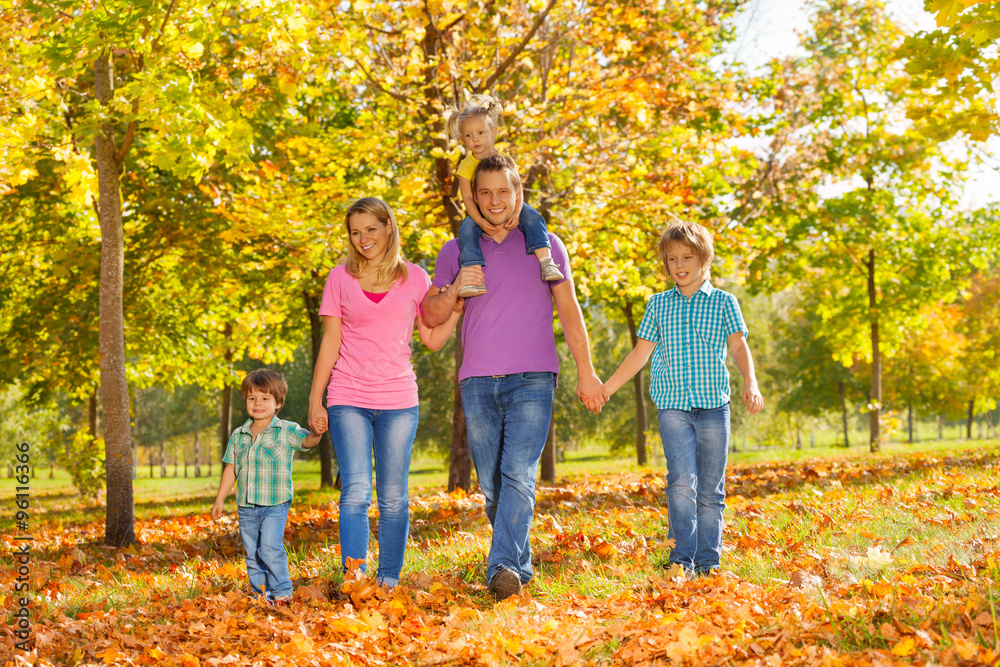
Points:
(478, 105)
(392, 267)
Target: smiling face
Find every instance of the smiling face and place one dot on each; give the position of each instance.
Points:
(477, 135)
(261, 406)
(495, 195)
(369, 236)
(686, 269)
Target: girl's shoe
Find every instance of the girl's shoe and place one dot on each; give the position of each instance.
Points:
(472, 290)
(550, 270)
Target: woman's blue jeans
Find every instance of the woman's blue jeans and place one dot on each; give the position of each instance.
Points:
(531, 223)
(262, 529)
(507, 418)
(696, 445)
(358, 434)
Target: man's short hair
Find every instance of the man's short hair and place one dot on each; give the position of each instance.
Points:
(691, 234)
(265, 381)
(495, 163)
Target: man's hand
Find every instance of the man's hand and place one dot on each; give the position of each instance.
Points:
(590, 390)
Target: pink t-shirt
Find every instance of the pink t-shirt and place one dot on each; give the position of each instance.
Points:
(374, 369)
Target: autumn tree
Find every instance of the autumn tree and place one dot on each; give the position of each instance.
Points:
(859, 201)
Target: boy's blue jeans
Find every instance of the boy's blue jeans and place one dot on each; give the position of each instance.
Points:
(531, 223)
(262, 529)
(507, 418)
(357, 433)
(696, 445)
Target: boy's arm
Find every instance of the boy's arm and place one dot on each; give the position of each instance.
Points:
(311, 440)
(465, 187)
(588, 386)
(226, 485)
(744, 362)
(631, 365)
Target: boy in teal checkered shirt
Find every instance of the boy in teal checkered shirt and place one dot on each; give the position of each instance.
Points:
(259, 462)
(688, 330)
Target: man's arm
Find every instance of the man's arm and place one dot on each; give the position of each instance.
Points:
(440, 303)
(588, 387)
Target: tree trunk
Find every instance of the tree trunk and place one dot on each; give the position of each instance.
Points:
(325, 443)
(163, 461)
(940, 427)
(548, 462)
(909, 421)
(640, 395)
(119, 525)
(875, 400)
(460, 465)
(197, 456)
(798, 437)
(968, 422)
(226, 399)
(843, 413)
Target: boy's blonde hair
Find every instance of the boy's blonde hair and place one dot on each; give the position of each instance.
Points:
(265, 381)
(486, 106)
(393, 267)
(691, 234)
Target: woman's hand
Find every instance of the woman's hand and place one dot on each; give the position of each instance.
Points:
(318, 419)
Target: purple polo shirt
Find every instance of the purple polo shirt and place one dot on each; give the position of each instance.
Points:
(508, 329)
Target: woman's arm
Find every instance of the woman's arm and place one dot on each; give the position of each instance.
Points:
(329, 352)
(631, 365)
(434, 338)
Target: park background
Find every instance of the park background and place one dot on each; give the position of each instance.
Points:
(175, 173)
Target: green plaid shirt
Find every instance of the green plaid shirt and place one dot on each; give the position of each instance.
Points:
(691, 333)
(264, 466)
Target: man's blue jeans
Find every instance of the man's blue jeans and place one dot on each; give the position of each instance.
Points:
(696, 445)
(262, 529)
(507, 418)
(531, 223)
(357, 434)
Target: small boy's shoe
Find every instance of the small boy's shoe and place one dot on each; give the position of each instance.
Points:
(472, 290)
(505, 583)
(283, 601)
(550, 270)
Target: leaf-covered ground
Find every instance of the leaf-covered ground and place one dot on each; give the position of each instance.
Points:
(888, 561)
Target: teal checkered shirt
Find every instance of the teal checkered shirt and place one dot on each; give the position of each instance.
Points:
(264, 467)
(690, 333)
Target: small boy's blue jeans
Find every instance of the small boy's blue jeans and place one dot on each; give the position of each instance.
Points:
(359, 434)
(531, 223)
(262, 529)
(696, 445)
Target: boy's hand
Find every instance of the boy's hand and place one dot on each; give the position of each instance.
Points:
(217, 510)
(752, 399)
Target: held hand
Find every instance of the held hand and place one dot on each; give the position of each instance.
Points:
(459, 302)
(488, 227)
(590, 390)
(752, 399)
(318, 419)
(511, 223)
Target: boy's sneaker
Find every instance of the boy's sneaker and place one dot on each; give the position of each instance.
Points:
(472, 290)
(283, 601)
(550, 270)
(505, 583)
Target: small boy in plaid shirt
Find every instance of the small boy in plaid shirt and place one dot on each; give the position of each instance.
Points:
(687, 330)
(259, 457)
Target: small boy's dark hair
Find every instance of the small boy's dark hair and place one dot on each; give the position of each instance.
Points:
(691, 234)
(267, 382)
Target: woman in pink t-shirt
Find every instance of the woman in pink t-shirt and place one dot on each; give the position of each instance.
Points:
(369, 307)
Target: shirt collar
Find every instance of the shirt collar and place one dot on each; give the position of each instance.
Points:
(246, 425)
(706, 288)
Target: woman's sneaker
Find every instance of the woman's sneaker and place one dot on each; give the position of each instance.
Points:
(550, 270)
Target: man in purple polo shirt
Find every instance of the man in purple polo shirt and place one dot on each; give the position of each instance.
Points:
(510, 366)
